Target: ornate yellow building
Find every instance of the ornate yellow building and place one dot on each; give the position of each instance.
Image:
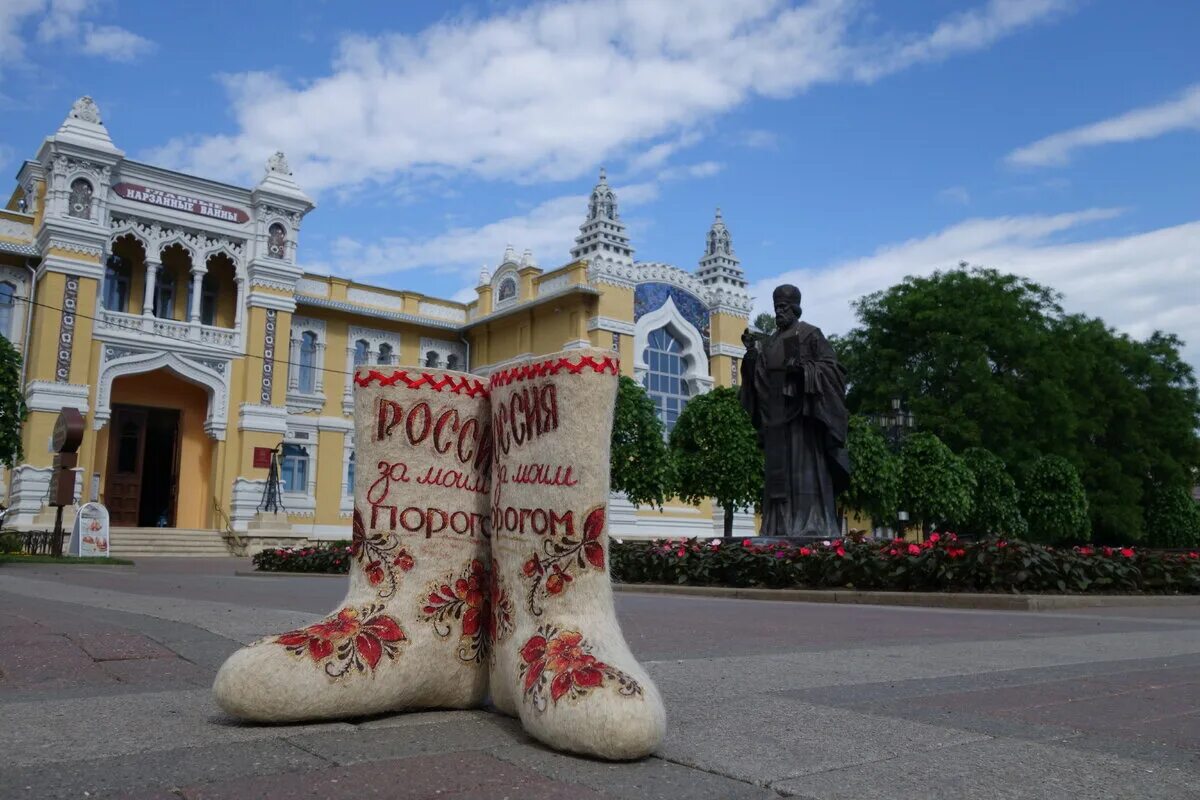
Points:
(169, 310)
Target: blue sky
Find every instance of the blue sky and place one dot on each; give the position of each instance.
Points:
(848, 143)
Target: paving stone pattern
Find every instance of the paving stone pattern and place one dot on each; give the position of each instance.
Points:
(105, 675)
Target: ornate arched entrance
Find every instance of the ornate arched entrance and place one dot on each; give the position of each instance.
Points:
(157, 454)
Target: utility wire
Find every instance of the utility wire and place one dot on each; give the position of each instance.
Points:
(274, 361)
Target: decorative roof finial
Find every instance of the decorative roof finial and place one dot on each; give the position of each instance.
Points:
(85, 110)
(603, 176)
(719, 215)
(510, 255)
(278, 163)
(527, 259)
(485, 275)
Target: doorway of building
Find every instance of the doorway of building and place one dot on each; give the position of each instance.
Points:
(143, 467)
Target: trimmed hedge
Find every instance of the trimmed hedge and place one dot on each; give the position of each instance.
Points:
(941, 564)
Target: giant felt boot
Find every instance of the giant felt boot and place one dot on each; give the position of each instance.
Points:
(411, 632)
(558, 659)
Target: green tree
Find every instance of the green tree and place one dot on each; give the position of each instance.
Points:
(12, 404)
(936, 485)
(765, 322)
(640, 462)
(990, 360)
(1172, 518)
(1055, 504)
(996, 503)
(874, 473)
(716, 453)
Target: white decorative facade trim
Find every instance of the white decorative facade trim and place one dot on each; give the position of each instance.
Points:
(442, 312)
(303, 432)
(734, 302)
(443, 349)
(610, 324)
(694, 358)
(267, 419)
(611, 271)
(557, 283)
(247, 494)
(54, 397)
(276, 302)
(576, 344)
(299, 396)
(311, 287)
(375, 339)
(487, 369)
(731, 350)
(505, 273)
(346, 502)
(372, 298)
(15, 229)
(211, 375)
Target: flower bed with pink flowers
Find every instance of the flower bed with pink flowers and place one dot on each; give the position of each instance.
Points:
(941, 564)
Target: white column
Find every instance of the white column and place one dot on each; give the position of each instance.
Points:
(152, 268)
(293, 364)
(319, 368)
(241, 301)
(197, 287)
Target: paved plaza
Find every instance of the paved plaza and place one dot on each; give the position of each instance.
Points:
(105, 675)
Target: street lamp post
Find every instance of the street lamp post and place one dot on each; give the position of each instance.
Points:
(896, 424)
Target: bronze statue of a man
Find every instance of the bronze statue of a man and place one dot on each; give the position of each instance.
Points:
(795, 393)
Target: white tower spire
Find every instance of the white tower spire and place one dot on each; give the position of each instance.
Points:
(602, 236)
(720, 265)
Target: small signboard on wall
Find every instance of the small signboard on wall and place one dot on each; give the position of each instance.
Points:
(89, 535)
(262, 457)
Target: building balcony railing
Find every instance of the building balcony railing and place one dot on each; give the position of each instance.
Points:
(209, 335)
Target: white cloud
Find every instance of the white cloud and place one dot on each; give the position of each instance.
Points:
(115, 44)
(1182, 113)
(553, 90)
(61, 22)
(1136, 283)
(547, 229)
(13, 14)
(963, 32)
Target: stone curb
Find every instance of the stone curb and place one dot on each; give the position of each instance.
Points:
(253, 573)
(996, 602)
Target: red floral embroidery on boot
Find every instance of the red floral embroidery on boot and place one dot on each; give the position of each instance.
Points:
(380, 557)
(550, 572)
(500, 608)
(563, 661)
(465, 600)
(353, 638)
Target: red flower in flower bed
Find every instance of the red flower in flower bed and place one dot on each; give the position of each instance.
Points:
(463, 601)
(353, 638)
(565, 661)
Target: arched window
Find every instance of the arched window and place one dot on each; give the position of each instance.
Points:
(385, 354)
(276, 241)
(116, 284)
(80, 202)
(508, 289)
(208, 299)
(362, 352)
(164, 295)
(664, 381)
(293, 469)
(350, 475)
(431, 359)
(7, 292)
(307, 378)
(452, 361)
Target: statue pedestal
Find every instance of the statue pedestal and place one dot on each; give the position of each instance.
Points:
(269, 521)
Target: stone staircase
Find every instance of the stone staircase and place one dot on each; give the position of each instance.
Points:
(137, 542)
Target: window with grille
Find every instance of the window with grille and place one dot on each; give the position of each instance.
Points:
(664, 381)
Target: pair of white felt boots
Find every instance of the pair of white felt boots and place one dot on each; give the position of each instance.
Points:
(479, 565)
